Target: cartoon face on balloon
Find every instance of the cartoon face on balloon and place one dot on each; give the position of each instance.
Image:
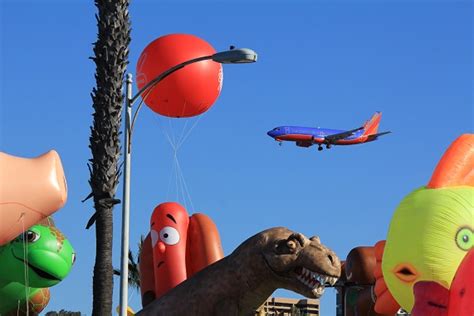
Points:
(431, 233)
(168, 231)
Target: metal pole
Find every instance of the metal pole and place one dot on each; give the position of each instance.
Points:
(126, 200)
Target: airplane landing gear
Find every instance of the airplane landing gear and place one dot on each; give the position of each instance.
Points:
(328, 146)
(320, 148)
(280, 143)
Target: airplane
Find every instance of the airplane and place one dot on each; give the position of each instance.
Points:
(309, 136)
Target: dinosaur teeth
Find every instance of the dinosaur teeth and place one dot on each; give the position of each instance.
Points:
(332, 280)
(324, 279)
(314, 280)
(318, 290)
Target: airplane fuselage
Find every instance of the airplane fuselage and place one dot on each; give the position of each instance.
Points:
(303, 135)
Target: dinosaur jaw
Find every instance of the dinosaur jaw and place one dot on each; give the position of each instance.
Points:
(313, 282)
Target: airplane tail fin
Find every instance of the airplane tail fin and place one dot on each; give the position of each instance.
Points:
(371, 126)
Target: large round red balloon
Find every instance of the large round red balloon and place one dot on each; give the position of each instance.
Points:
(188, 91)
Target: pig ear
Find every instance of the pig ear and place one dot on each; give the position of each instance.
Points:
(456, 167)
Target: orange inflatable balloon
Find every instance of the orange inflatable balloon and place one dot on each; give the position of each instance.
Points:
(203, 245)
(30, 190)
(188, 91)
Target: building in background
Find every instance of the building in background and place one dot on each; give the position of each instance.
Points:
(278, 306)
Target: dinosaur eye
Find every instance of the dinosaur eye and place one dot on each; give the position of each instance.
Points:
(73, 259)
(29, 236)
(464, 238)
(169, 235)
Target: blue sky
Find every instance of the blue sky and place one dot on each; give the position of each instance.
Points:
(321, 63)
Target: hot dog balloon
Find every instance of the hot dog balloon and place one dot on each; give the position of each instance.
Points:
(168, 231)
(178, 246)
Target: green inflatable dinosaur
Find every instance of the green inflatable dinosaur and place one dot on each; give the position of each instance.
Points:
(36, 260)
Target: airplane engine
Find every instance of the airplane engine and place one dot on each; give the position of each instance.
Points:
(303, 144)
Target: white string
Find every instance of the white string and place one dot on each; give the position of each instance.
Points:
(185, 186)
(179, 175)
(182, 140)
(173, 166)
(170, 123)
(176, 178)
(176, 141)
(25, 265)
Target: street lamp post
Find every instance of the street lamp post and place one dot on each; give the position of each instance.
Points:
(232, 56)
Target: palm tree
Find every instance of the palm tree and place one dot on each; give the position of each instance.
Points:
(133, 266)
(133, 272)
(111, 59)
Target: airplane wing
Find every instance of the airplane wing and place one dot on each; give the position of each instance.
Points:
(335, 137)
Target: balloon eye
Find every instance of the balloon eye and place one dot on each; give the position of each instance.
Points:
(464, 238)
(29, 236)
(73, 259)
(169, 235)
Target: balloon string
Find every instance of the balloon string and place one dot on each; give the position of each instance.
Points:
(25, 259)
(177, 178)
(183, 139)
(180, 188)
(170, 181)
(185, 186)
(182, 134)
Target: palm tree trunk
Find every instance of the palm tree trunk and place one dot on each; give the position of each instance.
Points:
(111, 59)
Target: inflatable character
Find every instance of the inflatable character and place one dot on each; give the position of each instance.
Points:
(39, 258)
(430, 234)
(177, 247)
(30, 190)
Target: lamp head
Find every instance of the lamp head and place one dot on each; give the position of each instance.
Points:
(235, 56)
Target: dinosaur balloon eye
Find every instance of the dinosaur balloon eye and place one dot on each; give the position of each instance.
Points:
(73, 259)
(465, 239)
(169, 235)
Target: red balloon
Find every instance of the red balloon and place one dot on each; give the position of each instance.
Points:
(188, 91)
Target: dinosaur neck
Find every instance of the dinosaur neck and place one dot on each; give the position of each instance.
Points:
(255, 281)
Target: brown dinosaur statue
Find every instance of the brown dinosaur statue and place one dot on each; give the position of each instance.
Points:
(239, 283)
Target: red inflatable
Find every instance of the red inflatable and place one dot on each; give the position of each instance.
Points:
(187, 92)
(461, 297)
(177, 247)
(169, 228)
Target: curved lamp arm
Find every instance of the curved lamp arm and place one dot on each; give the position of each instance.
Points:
(165, 74)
